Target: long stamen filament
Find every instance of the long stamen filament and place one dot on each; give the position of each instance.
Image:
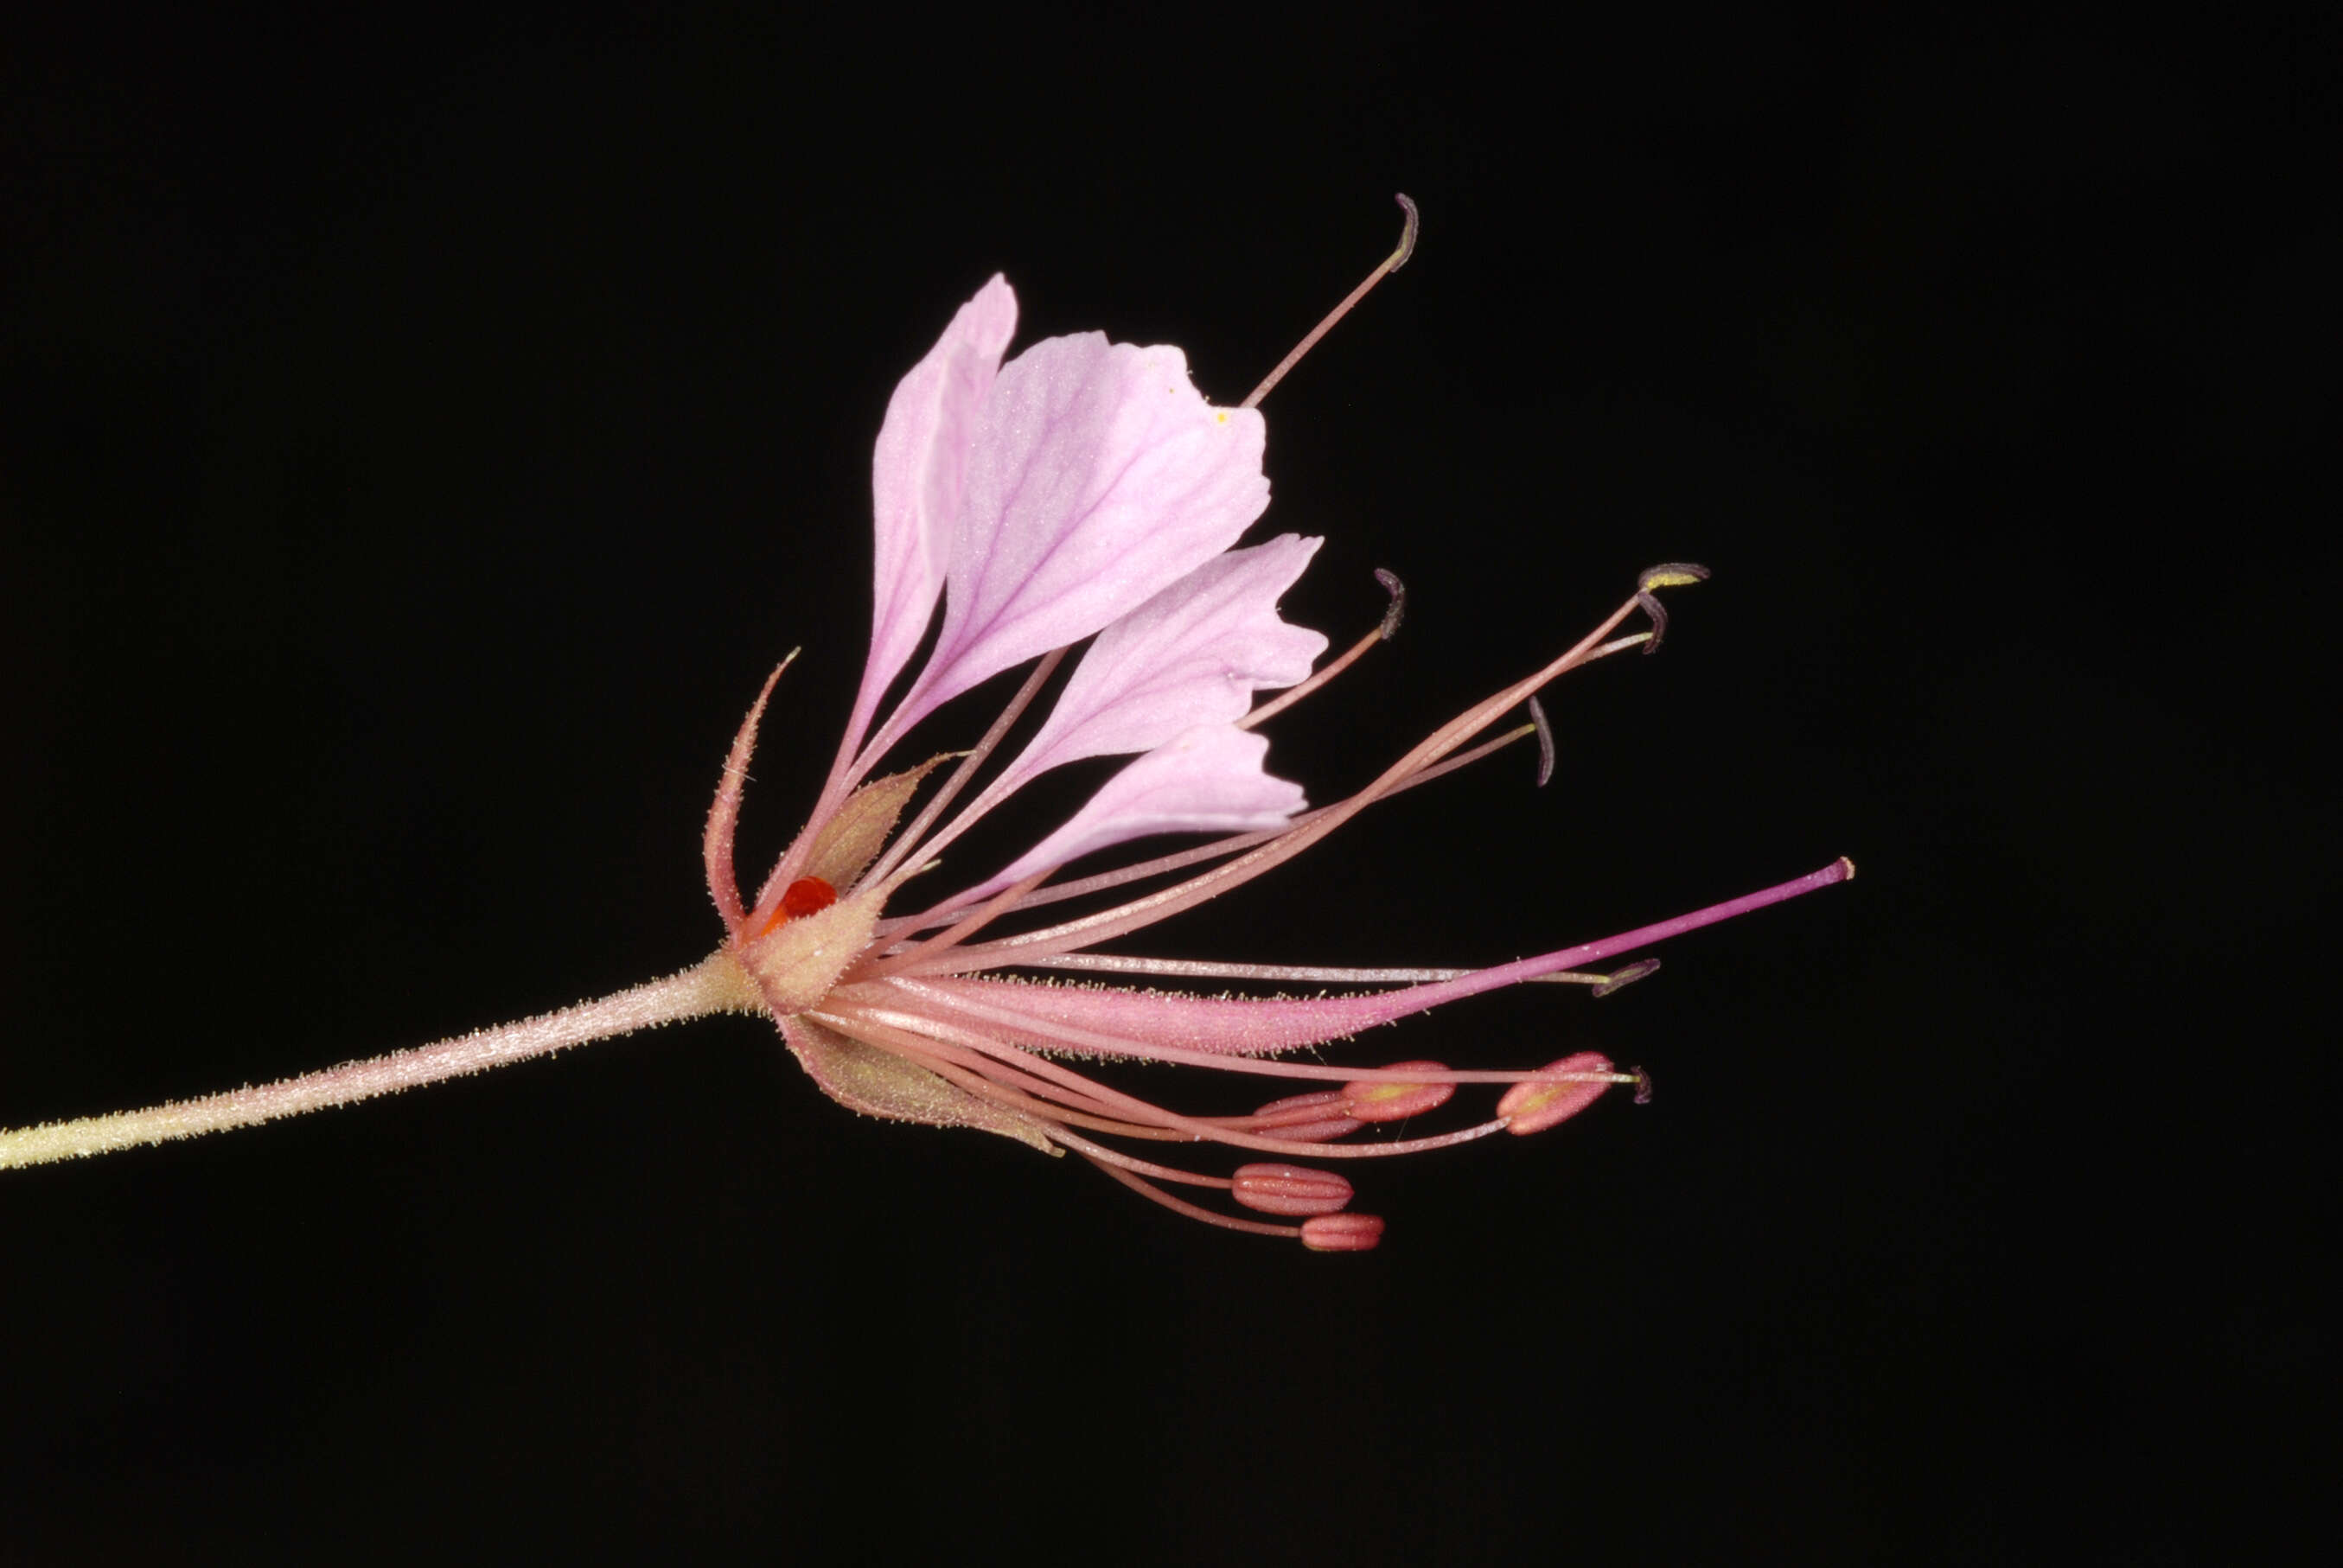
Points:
(1317, 678)
(1154, 1194)
(1383, 632)
(1182, 859)
(992, 908)
(1237, 843)
(909, 839)
(1099, 927)
(1140, 1167)
(1389, 264)
(934, 1028)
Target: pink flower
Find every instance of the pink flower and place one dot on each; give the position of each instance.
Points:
(1085, 489)
(1082, 490)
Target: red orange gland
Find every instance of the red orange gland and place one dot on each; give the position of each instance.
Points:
(806, 896)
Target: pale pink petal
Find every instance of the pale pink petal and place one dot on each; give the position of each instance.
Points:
(1099, 476)
(1208, 779)
(917, 475)
(1194, 654)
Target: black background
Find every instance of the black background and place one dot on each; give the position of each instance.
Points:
(421, 436)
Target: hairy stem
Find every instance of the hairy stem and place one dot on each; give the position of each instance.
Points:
(716, 985)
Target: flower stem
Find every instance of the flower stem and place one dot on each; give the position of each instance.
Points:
(718, 984)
